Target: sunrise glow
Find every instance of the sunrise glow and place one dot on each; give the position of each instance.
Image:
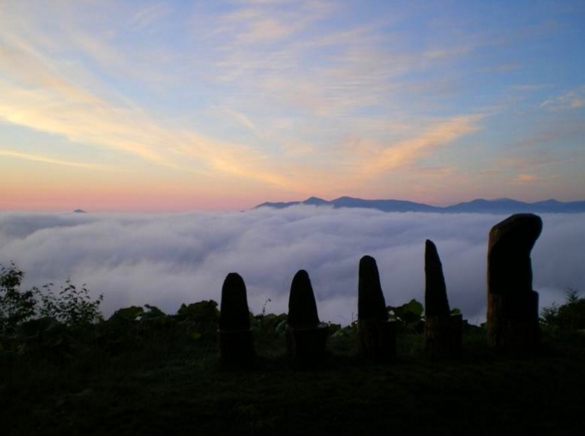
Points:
(222, 105)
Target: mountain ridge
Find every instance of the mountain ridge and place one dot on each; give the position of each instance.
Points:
(496, 206)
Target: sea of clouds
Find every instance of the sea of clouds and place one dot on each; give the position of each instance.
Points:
(169, 259)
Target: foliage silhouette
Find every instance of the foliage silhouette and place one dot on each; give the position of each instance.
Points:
(15, 306)
(142, 371)
(70, 306)
(569, 317)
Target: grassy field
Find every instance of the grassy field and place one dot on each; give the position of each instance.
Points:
(167, 382)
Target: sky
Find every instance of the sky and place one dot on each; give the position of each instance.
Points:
(170, 106)
(169, 259)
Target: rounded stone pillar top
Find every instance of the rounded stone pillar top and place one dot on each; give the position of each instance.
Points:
(371, 302)
(509, 247)
(520, 230)
(234, 313)
(436, 301)
(302, 307)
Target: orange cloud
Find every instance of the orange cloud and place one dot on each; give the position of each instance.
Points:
(525, 178)
(43, 159)
(51, 102)
(410, 150)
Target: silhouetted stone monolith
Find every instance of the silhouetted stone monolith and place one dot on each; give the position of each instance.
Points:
(235, 334)
(442, 330)
(302, 307)
(371, 302)
(306, 336)
(376, 335)
(436, 301)
(512, 315)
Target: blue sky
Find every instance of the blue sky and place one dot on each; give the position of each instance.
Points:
(175, 105)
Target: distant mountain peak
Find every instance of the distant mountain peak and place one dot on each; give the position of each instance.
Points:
(347, 198)
(313, 200)
(504, 200)
(79, 210)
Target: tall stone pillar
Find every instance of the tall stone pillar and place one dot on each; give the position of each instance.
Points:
(376, 335)
(306, 336)
(443, 331)
(512, 315)
(235, 333)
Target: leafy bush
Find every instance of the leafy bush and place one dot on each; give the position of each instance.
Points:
(410, 316)
(270, 325)
(199, 318)
(349, 331)
(549, 316)
(48, 339)
(15, 306)
(202, 311)
(568, 317)
(127, 314)
(71, 306)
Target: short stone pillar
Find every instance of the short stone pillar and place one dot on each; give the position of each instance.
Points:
(376, 334)
(306, 336)
(236, 344)
(443, 331)
(512, 314)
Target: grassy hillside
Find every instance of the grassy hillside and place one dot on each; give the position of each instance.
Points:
(167, 381)
(65, 370)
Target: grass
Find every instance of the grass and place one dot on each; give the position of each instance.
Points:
(174, 384)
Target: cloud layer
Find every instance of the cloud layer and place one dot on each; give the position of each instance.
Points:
(165, 260)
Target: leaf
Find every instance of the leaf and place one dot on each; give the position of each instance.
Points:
(413, 306)
(455, 311)
(201, 311)
(153, 312)
(281, 327)
(196, 336)
(131, 313)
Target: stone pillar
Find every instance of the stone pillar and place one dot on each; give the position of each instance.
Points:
(376, 335)
(443, 331)
(512, 315)
(235, 333)
(306, 337)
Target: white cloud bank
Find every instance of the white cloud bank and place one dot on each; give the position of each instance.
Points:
(165, 260)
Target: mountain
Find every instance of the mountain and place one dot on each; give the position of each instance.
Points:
(79, 210)
(348, 202)
(506, 205)
(493, 206)
(503, 205)
(389, 205)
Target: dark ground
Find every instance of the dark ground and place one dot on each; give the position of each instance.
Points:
(174, 385)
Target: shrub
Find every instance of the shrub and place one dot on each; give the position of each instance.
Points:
(567, 317)
(71, 306)
(16, 307)
(572, 313)
(410, 316)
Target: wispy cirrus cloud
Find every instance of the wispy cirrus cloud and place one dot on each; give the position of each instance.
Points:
(40, 94)
(292, 56)
(146, 17)
(272, 21)
(77, 105)
(408, 151)
(50, 160)
(525, 178)
(572, 99)
(288, 96)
